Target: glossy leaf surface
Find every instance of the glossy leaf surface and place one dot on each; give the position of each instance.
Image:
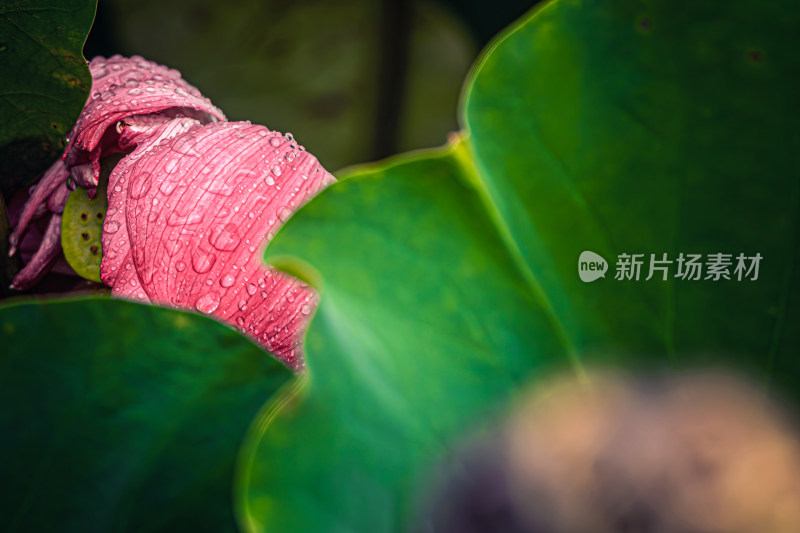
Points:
(403, 350)
(121, 417)
(449, 278)
(657, 130)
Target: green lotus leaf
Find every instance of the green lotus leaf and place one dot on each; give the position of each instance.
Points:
(450, 278)
(45, 82)
(117, 416)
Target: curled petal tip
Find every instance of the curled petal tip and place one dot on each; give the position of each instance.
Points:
(129, 87)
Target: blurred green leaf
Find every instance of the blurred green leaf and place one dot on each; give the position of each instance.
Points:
(450, 277)
(45, 82)
(117, 416)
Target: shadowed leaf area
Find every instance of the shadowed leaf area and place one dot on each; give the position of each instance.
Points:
(24, 159)
(45, 82)
(7, 267)
(122, 417)
(448, 278)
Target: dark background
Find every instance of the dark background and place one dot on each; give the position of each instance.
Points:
(353, 80)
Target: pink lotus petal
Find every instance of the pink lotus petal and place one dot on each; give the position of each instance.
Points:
(125, 87)
(188, 213)
(152, 128)
(122, 89)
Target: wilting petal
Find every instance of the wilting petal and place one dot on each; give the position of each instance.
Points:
(44, 256)
(84, 177)
(125, 87)
(55, 177)
(187, 217)
(58, 199)
(152, 128)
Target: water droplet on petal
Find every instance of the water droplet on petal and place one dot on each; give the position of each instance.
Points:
(167, 186)
(275, 141)
(139, 185)
(208, 303)
(251, 289)
(284, 214)
(227, 280)
(188, 219)
(135, 92)
(180, 266)
(276, 170)
(225, 183)
(184, 144)
(202, 261)
(242, 305)
(226, 238)
(240, 321)
(171, 165)
(269, 180)
(306, 309)
(111, 226)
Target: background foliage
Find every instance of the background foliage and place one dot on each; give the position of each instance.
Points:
(122, 417)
